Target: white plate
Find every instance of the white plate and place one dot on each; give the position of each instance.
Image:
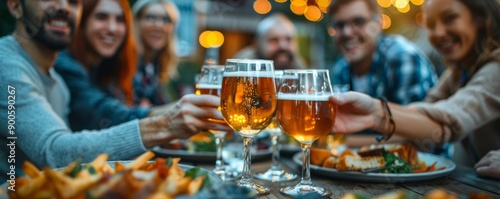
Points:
(389, 178)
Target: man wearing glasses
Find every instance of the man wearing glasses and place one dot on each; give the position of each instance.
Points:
(379, 65)
(375, 64)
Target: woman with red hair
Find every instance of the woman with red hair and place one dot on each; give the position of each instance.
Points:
(99, 67)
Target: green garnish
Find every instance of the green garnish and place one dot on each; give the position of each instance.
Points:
(394, 164)
(202, 146)
(92, 170)
(169, 162)
(196, 172)
(77, 169)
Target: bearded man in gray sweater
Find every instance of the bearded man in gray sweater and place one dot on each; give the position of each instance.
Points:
(34, 99)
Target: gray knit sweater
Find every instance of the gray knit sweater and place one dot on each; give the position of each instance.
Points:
(469, 114)
(41, 133)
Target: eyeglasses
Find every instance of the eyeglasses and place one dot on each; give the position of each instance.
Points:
(356, 22)
(150, 18)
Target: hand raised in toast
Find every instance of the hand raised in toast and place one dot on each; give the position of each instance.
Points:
(356, 112)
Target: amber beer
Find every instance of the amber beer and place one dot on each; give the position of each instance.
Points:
(209, 89)
(274, 124)
(248, 102)
(305, 117)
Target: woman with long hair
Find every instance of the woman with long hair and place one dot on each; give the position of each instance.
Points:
(104, 44)
(42, 99)
(155, 22)
(99, 67)
(464, 106)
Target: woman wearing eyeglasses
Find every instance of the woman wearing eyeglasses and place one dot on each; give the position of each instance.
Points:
(155, 22)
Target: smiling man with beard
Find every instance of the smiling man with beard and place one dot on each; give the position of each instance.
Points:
(34, 102)
(61, 27)
(276, 39)
(379, 65)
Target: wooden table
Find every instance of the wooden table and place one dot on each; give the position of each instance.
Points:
(462, 181)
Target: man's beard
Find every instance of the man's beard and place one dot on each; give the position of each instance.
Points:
(289, 64)
(36, 29)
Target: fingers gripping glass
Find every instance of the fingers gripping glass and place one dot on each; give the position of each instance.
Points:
(210, 82)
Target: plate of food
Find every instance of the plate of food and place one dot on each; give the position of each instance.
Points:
(201, 148)
(100, 178)
(395, 163)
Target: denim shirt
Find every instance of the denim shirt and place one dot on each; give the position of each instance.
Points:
(91, 106)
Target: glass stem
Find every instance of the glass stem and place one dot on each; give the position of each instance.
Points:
(247, 146)
(306, 173)
(219, 140)
(276, 153)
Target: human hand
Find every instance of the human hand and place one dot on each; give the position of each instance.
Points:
(355, 112)
(183, 119)
(489, 165)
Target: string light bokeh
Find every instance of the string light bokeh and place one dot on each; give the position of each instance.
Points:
(314, 10)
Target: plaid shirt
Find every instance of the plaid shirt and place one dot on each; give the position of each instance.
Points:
(399, 71)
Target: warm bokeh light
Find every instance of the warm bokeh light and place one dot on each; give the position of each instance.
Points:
(220, 38)
(215, 39)
(331, 31)
(401, 4)
(324, 9)
(321, 16)
(299, 3)
(280, 1)
(386, 21)
(313, 13)
(419, 19)
(211, 39)
(384, 3)
(393, 2)
(298, 10)
(262, 6)
(323, 3)
(203, 39)
(417, 2)
(405, 9)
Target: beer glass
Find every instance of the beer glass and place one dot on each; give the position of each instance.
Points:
(275, 173)
(248, 101)
(305, 113)
(210, 82)
(335, 141)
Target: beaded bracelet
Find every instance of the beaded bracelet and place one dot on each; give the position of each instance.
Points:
(387, 134)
